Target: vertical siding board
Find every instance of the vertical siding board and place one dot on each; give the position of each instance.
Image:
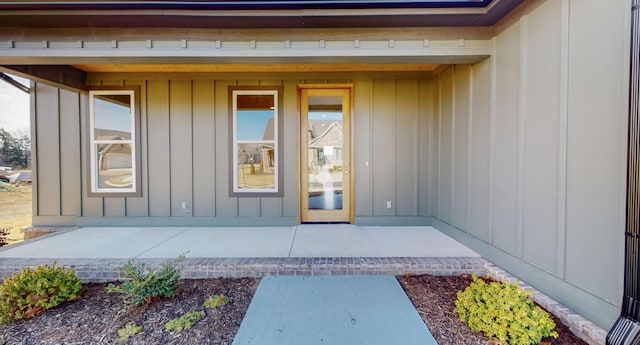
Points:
(33, 117)
(480, 151)
(506, 142)
(541, 123)
(445, 183)
(562, 142)
(434, 174)
(597, 101)
(48, 131)
(425, 113)
(226, 206)
(114, 206)
(159, 149)
(461, 146)
(290, 149)
(181, 147)
(203, 149)
(247, 206)
(70, 169)
(383, 146)
(272, 206)
(139, 206)
(91, 206)
(406, 165)
(362, 148)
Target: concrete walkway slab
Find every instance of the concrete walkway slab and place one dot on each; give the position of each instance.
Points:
(332, 310)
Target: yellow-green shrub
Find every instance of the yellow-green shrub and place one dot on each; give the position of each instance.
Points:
(503, 311)
(215, 301)
(129, 330)
(31, 291)
(183, 322)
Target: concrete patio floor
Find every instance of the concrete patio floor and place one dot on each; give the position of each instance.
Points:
(335, 249)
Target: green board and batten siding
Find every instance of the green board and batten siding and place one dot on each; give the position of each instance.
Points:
(540, 189)
(185, 155)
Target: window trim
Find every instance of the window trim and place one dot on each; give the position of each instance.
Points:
(234, 190)
(93, 189)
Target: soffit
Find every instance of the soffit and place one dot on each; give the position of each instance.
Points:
(253, 68)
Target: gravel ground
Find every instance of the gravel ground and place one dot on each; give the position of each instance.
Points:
(96, 317)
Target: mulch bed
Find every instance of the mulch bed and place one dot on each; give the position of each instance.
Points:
(96, 317)
(434, 299)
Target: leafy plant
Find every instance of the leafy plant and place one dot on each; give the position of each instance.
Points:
(215, 301)
(503, 311)
(183, 322)
(130, 329)
(31, 291)
(143, 284)
(7, 187)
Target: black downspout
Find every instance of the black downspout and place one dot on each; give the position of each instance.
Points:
(626, 330)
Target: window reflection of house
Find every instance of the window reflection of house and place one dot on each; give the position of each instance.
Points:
(114, 156)
(268, 151)
(114, 161)
(325, 149)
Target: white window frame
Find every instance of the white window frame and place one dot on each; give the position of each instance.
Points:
(236, 190)
(95, 190)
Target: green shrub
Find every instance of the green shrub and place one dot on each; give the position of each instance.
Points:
(31, 291)
(215, 301)
(503, 311)
(183, 322)
(142, 285)
(7, 187)
(130, 329)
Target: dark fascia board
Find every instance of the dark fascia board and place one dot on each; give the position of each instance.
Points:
(62, 76)
(235, 4)
(81, 14)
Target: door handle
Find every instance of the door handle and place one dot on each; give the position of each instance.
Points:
(346, 171)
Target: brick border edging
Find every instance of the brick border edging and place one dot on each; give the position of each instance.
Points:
(106, 270)
(581, 327)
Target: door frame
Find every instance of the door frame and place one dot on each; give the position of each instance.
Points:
(351, 175)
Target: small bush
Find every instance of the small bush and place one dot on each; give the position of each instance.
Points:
(503, 311)
(30, 292)
(142, 285)
(130, 329)
(215, 301)
(7, 187)
(183, 322)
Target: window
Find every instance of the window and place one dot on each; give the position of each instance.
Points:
(114, 150)
(255, 141)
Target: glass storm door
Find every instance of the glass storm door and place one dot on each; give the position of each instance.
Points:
(325, 153)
